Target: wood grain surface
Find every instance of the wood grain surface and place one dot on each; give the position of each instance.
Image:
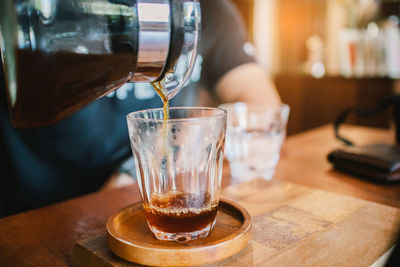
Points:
(301, 226)
(47, 236)
(292, 225)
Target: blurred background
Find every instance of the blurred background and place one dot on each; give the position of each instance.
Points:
(326, 55)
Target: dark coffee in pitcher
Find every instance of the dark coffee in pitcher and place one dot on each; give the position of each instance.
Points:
(53, 85)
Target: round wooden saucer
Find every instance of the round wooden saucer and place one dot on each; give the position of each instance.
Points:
(130, 238)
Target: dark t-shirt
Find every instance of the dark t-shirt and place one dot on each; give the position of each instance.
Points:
(75, 156)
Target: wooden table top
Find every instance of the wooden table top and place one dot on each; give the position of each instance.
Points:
(304, 161)
(46, 236)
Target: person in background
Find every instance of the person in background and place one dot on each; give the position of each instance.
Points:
(79, 154)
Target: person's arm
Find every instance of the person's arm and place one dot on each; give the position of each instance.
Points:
(248, 83)
(229, 71)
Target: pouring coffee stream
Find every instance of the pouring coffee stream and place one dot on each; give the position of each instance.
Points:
(158, 87)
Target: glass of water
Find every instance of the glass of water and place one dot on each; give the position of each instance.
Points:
(254, 137)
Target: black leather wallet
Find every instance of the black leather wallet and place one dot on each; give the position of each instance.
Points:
(378, 162)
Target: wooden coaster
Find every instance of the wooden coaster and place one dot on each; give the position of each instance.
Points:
(130, 238)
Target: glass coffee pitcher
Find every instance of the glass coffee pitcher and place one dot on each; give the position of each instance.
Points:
(60, 55)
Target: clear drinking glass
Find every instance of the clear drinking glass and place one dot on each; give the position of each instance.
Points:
(255, 134)
(179, 169)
